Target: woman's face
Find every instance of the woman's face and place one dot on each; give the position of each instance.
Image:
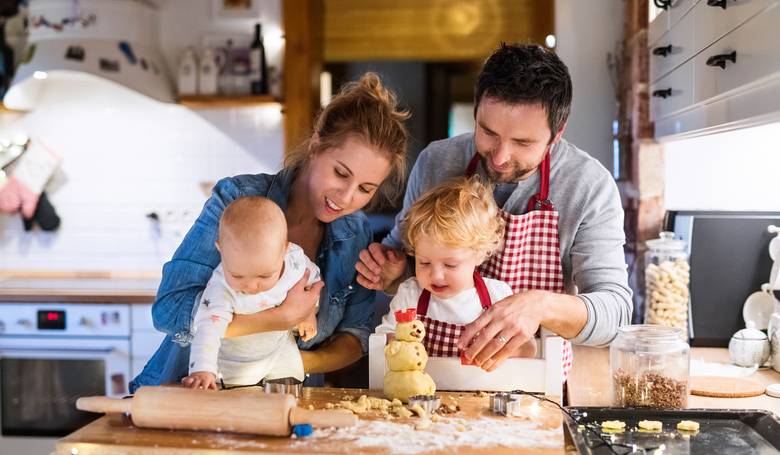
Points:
(342, 180)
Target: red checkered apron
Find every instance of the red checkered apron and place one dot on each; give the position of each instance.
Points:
(531, 256)
(441, 338)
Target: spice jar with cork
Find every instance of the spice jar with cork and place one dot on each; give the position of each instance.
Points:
(650, 365)
(667, 275)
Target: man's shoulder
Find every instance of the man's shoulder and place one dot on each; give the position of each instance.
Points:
(571, 160)
(459, 149)
(444, 159)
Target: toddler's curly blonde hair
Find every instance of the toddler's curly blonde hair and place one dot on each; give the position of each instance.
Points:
(459, 213)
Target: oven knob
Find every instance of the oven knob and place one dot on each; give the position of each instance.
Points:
(2, 326)
(26, 323)
(84, 322)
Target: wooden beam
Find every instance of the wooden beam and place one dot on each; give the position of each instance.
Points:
(303, 22)
(431, 30)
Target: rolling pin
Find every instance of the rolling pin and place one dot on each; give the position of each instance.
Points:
(178, 408)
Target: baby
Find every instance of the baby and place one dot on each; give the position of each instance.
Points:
(258, 267)
(450, 230)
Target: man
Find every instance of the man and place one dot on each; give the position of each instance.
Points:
(563, 249)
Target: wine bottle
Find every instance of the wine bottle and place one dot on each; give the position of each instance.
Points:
(258, 75)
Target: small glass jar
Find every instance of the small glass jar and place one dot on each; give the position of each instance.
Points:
(667, 276)
(650, 365)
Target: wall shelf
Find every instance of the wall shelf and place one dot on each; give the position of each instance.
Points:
(227, 102)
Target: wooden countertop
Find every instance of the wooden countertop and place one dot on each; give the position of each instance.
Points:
(22, 286)
(589, 381)
(116, 434)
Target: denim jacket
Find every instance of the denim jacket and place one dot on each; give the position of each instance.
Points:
(344, 305)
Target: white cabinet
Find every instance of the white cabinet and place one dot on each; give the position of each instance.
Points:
(722, 68)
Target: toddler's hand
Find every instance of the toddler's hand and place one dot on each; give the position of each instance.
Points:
(200, 380)
(308, 328)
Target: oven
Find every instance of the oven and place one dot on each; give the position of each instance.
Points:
(52, 354)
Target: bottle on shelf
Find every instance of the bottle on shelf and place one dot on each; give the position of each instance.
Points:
(187, 75)
(207, 73)
(258, 69)
(225, 80)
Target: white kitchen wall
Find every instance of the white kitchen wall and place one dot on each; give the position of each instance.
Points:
(125, 155)
(586, 31)
(734, 171)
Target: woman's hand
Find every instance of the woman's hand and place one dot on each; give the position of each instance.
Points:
(379, 267)
(301, 300)
(300, 303)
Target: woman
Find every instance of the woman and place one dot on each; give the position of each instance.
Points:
(355, 156)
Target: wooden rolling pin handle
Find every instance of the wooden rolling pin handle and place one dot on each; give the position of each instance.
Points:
(322, 418)
(103, 404)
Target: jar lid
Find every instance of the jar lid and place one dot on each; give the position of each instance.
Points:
(750, 333)
(666, 242)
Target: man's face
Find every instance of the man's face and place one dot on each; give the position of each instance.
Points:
(512, 139)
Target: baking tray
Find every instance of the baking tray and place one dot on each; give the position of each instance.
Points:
(722, 431)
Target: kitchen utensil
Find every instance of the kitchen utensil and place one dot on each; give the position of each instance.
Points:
(759, 306)
(720, 432)
(193, 409)
(291, 386)
(723, 387)
(430, 403)
(749, 347)
(506, 404)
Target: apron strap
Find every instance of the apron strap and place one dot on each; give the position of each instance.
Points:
(472, 167)
(482, 291)
(484, 297)
(541, 200)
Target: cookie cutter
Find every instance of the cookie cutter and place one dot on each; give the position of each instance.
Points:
(506, 404)
(429, 403)
(290, 386)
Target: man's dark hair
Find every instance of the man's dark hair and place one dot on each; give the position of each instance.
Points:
(527, 74)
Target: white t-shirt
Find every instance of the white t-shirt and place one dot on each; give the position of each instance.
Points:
(244, 358)
(460, 309)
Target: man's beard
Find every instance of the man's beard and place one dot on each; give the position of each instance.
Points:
(514, 174)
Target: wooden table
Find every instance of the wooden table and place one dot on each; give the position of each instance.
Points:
(115, 434)
(589, 381)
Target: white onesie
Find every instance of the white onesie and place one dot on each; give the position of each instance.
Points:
(461, 309)
(249, 358)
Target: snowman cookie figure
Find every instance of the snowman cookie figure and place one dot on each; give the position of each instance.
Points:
(406, 359)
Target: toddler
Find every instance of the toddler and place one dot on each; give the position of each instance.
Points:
(258, 267)
(450, 230)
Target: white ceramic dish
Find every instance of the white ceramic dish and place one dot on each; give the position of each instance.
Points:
(759, 307)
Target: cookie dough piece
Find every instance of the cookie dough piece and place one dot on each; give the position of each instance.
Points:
(405, 356)
(688, 425)
(410, 331)
(404, 384)
(613, 425)
(417, 409)
(651, 425)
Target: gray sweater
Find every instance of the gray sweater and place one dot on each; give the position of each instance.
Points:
(590, 229)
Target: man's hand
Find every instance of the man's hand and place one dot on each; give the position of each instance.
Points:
(308, 328)
(301, 300)
(501, 331)
(200, 380)
(379, 267)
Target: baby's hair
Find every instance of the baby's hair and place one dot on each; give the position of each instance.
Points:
(459, 213)
(252, 218)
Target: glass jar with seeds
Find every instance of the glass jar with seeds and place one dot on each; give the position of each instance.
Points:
(667, 275)
(650, 365)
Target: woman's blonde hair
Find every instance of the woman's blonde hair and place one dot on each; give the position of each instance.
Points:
(459, 213)
(367, 110)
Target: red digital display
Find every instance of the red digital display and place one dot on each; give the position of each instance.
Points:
(51, 320)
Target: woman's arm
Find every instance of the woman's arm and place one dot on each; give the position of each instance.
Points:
(341, 350)
(299, 304)
(186, 274)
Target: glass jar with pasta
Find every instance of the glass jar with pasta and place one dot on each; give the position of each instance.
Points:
(667, 277)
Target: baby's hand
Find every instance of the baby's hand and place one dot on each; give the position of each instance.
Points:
(200, 380)
(308, 328)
